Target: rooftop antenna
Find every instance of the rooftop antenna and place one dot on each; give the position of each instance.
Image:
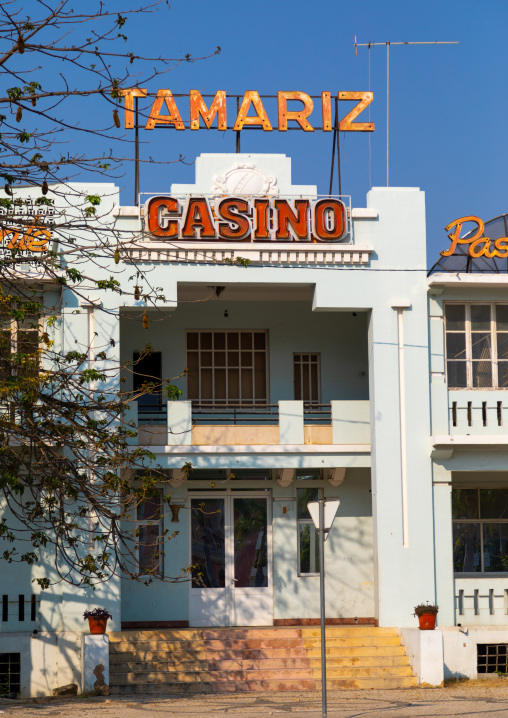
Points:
(372, 44)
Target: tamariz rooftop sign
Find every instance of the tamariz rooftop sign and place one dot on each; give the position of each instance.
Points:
(167, 110)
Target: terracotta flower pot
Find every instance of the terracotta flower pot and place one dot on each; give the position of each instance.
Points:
(427, 621)
(97, 625)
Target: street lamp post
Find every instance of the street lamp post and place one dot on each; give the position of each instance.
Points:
(323, 513)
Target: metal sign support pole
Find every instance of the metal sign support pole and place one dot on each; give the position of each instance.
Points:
(136, 156)
(322, 598)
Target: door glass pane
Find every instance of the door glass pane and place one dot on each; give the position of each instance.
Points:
(480, 317)
(502, 345)
(480, 344)
(455, 317)
(456, 346)
(494, 503)
(502, 374)
(208, 547)
(502, 317)
(457, 373)
(308, 544)
(482, 374)
(303, 497)
(465, 504)
(495, 547)
(466, 548)
(250, 542)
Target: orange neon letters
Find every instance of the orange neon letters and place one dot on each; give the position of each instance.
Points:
(198, 107)
(479, 246)
(299, 116)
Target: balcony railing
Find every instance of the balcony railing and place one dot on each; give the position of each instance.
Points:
(317, 413)
(150, 414)
(470, 414)
(184, 422)
(481, 601)
(203, 413)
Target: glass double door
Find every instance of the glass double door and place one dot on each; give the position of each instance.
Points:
(231, 558)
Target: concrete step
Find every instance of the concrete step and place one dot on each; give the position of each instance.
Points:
(237, 654)
(346, 651)
(123, 678)
(239, 644)
(170, 677)
(360, 661)
(159, 689)
(332, 631)
(353, 641)
(364, 672)
(263, 685)
(170, 634)
(222, 634)
(159, 666)
(165, 656)
(122, 646)
(368, 683)
(253, 665)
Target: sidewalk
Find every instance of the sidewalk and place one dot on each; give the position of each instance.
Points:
(478, 699)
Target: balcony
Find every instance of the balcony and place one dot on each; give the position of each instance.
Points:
(481, 601)
(187, 423)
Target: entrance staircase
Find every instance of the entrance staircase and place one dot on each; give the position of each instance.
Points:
(223, 660)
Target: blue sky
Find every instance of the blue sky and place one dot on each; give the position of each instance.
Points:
(448, 103)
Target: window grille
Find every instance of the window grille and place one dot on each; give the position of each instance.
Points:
(308, 537)
(306, 370)
(227, 367)
(149, 517)
(10, 675)
(476, 345)
(20, 338)
(480, 530)
(492, 658)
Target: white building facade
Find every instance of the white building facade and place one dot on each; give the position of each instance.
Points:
(309, 373)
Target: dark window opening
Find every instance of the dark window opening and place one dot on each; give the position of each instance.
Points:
(147, 377)
(10, 675)
(492, 658)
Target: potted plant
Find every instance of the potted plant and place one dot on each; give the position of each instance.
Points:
(97, 619)
(426, 613)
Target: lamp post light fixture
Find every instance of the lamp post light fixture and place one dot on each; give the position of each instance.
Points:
(323, 513)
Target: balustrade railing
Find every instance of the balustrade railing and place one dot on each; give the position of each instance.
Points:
(207, 413)
(317, 413)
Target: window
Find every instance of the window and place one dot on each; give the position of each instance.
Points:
(227, 367)
(147, 374)
(477, 345)
(307, 377)
(19, 344)
(308, 542)
(10, 675)
(149, 527)
(480, 530)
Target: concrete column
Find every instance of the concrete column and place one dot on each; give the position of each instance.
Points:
(179, 423)
(401, 497)
(95, 663)
(443, 541)
(291, 422)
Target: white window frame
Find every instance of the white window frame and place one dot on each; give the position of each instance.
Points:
(309, 362)
(469, 360)
(140, 524)
(13, 326)
(229, 401)
(304, 522)
(480, 522)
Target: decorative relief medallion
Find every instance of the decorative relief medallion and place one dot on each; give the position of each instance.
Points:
(245, 179)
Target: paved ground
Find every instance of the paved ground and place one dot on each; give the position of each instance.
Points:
(478, 699)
